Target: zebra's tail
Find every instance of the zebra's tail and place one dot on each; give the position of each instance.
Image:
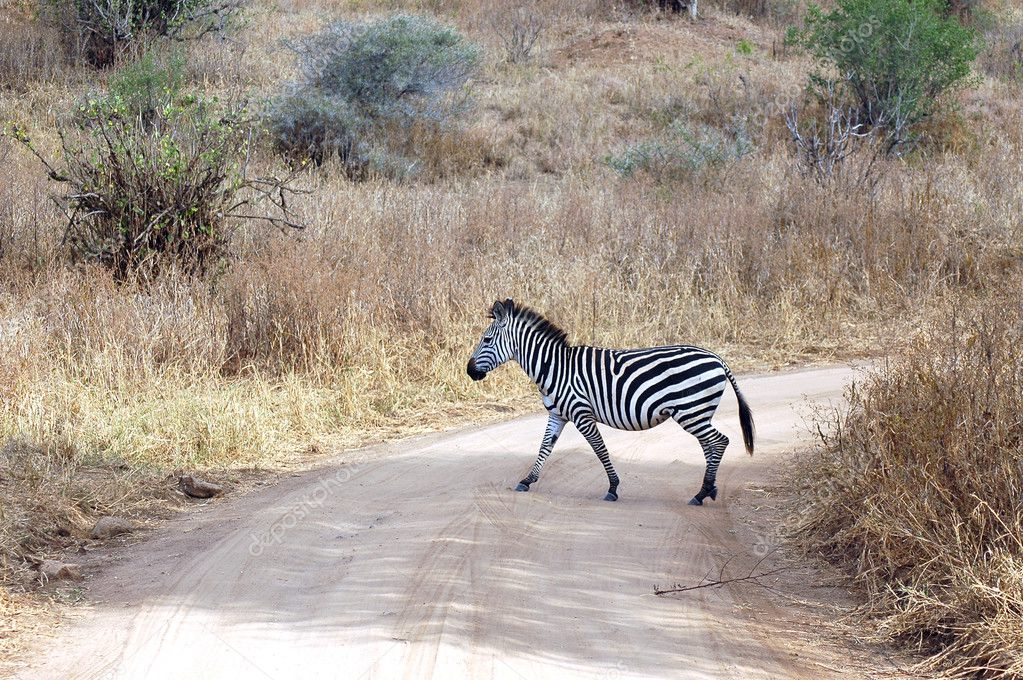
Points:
(749, 430)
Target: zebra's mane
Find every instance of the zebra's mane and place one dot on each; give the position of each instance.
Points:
(538, 323)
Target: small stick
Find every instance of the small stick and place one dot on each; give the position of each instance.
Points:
(723, 581)
(709, 584)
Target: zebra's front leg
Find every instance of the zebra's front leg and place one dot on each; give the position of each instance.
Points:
(588, 427)
(555, 424)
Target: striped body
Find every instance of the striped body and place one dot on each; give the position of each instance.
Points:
(640, 388)
(633, 389)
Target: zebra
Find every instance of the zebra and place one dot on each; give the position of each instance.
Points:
(628, 389)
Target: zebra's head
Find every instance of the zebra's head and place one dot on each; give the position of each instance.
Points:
(495, 347)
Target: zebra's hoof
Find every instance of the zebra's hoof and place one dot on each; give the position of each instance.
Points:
(522, 487)
(611, 496)
(695, 501)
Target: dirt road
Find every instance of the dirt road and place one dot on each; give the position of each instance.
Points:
(418, 560)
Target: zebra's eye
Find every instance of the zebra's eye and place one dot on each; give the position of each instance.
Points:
(488, 338)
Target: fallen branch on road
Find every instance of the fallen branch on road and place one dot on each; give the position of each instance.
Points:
(721, 581)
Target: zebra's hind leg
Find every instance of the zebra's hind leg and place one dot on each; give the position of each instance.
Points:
(714, 444)
(555, 425)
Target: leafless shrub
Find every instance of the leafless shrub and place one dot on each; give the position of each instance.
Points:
(105, 28)
(519, 29)
(826, 146)
(822, 147)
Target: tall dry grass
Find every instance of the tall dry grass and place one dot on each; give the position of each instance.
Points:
(31, 50)
(917, 492)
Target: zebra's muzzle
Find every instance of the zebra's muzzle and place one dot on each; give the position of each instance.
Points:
(475, 373)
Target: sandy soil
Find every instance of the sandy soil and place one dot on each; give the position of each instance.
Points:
(419, 560)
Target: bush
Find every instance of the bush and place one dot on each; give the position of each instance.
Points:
(897, 59)
(682, 153)
(103, 29)
(157, 179)
(518, 30)
(917, 492)
(363, 83)
(311, 126)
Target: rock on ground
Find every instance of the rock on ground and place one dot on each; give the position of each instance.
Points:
(52, 570)
(108, 527)
(197, 488)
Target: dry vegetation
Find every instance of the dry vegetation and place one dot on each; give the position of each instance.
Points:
(363, 321)
(918, 490)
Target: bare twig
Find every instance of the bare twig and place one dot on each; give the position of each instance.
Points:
(712, 584)
(721, 581)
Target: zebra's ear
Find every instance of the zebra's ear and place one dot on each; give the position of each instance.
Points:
(498, 312)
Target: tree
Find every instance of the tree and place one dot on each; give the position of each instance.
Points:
(897, 59)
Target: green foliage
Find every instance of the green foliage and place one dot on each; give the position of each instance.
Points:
(682, 153)
(363, 82)
(146, 194)
(745, 48)
(897, 59)
(148, 85)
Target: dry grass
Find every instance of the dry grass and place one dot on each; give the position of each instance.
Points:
(364, 322)
(1002, 56)
(917, 492)
(22, 617)
(30, 51)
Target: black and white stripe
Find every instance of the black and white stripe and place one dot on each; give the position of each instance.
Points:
(633, 389)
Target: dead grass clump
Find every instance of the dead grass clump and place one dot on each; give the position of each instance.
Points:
(779, 12)
(283, 318)
(52, 496)
(30, 51)
(21, 616)
(31, 476)
(917, 491)
(1002, 27)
